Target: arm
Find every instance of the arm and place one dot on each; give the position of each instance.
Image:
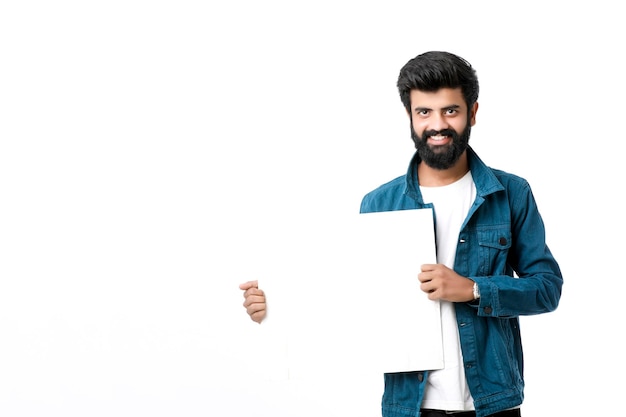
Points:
(538, 286)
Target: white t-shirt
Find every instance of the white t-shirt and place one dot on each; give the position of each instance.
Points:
(447, 388)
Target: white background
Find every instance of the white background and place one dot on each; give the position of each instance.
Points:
(155, 154)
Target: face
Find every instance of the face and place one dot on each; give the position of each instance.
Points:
(441, 126)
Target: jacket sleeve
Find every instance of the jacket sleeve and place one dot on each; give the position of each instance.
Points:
(537, 282)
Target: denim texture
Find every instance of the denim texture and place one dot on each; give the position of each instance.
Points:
(502, 248)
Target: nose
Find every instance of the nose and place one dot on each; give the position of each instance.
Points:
(438, 122)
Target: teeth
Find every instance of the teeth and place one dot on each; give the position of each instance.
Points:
(438, 137)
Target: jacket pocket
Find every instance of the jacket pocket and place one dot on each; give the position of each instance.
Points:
(494, 245)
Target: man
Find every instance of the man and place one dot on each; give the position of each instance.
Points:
(493, 264)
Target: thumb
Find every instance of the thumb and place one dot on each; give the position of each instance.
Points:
(248, 285)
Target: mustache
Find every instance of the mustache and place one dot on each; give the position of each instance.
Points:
(444, 132)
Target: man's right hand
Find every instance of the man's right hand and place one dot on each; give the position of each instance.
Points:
(254, 300)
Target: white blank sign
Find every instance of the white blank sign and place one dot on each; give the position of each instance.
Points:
(358, 307)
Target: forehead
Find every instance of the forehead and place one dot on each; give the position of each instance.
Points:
(442, 98)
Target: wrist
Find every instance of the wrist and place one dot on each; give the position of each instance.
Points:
(476, 291)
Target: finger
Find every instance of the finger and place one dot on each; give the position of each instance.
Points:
(427, 287)
(434, 295)
(258, 316)
(254, 299)
(254, 292)
(255, 309)
(247, 285)
(424, 277)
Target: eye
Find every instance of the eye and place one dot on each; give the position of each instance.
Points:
(450, 112)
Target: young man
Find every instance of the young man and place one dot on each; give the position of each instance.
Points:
(493, 264)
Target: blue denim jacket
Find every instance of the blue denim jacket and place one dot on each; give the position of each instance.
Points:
(502, 235)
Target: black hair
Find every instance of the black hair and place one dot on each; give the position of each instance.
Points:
(434, 70)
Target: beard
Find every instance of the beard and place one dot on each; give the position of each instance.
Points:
(441, 156)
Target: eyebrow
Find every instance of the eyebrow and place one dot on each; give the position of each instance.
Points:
(450, 107)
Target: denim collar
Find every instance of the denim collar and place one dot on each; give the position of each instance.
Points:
(484, 177)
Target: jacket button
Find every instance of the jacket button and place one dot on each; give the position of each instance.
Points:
(488, 310)
(420, 376)
(502, 241)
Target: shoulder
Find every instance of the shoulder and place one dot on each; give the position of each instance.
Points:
(516, 190)
(489, 179)
(510, 181)
(384, 196)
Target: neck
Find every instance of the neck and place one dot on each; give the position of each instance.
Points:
(430, 177)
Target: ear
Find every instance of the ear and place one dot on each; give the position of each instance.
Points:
(473, 114)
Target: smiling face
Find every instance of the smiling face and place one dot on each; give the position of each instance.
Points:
(441, 126)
